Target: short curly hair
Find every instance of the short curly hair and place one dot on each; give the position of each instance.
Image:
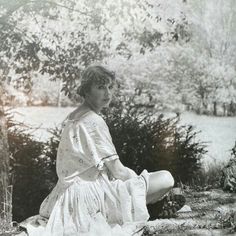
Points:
(94, 75)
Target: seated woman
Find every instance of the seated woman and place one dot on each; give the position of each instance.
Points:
(93, 185)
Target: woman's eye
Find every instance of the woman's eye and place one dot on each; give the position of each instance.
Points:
(111, 87)
(101, 87)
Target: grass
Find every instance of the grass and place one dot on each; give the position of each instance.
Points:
(227, 221)
(213, 211)
(207, 179)
(208, 216)
(7, 226)
(204, 217)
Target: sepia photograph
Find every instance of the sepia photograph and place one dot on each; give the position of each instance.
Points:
(117, 118)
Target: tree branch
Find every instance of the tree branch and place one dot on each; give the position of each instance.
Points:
(63, 6)
(22, 4)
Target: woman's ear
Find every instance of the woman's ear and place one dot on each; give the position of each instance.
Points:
(85, 94)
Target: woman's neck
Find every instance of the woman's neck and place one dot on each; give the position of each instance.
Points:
(89, 105)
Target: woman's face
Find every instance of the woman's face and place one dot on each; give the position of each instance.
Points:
(99, 95)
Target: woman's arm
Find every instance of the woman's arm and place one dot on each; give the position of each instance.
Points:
(119, 171)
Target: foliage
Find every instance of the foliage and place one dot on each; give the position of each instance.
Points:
(173, 75)
(60, 38)
(233, 151)
(150, 141)
(199, 73)
(228, 221)
(7, 229)
(228, 178)
(206, 179)
(213, 36)
(155, 45)
(32, 171)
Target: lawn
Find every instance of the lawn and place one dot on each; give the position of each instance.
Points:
(212, 213)
(206, 213)
(219, 133)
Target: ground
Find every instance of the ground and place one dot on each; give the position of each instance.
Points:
(212, 212)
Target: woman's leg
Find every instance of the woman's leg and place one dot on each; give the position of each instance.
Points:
(160, 183)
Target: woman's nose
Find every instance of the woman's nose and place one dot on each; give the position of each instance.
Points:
(108, 91)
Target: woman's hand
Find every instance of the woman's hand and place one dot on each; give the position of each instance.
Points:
(119, 171)
(131, 173)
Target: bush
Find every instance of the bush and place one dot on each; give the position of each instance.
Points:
(228, 178)
(206, 179)
(233, 151)
(148, 141)
(32, 169)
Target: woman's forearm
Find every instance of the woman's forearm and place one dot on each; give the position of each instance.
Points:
(125, 174)
(119, 171)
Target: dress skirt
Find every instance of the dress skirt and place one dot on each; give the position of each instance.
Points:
(77, 208)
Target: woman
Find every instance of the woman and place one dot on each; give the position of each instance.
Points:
(93, 185)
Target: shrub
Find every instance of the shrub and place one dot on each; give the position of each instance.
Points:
(32, 169)
(228, 178)
(233, 151)
(145, 140)
(206, 179)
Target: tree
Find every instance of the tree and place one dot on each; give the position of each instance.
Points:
(5, 204)
(96, 30)
(213, 25)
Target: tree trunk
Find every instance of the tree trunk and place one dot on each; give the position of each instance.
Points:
(5, 192)
(224, 109)
(59, 94)
(215, 108)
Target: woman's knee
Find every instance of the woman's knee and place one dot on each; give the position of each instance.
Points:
(160, 181)
(168, 179)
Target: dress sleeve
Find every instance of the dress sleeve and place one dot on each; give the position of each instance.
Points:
(96, 141)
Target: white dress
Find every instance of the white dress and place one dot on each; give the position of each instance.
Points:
(86, 198)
